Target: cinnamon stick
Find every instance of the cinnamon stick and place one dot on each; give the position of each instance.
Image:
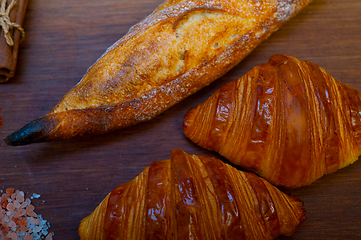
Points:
(1, 123)
(8, 53)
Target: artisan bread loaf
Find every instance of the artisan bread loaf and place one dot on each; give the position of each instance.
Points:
(180, 48)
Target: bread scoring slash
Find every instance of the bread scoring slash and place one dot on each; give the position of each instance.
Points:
(180, 48)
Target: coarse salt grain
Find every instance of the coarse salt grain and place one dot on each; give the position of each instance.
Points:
(10, 207)
(18, 221)
(24, 204)
(12, 235)
(13, 196)
(28, 237)
(49, 236)
(10, 191)
(23, 228)
(20, 196)
(17, 204)
(12, 224)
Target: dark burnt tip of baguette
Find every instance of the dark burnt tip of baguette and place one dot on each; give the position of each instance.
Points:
(34, 132)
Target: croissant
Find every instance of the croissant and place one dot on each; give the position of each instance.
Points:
(193, 197)
(288, 120)
(177, 50)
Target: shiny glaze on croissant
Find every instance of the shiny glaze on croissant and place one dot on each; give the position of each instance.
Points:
(287, 120)
(193, 197)
(177, 50)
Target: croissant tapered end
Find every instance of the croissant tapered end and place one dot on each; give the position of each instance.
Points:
(288, 120)
(193, 197)
(92, 225)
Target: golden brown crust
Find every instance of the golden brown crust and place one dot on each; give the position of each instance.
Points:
(287, 120)
(180, 48)
(194, 197)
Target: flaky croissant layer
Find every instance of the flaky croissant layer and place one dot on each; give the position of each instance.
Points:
(288, 120)
(193, 197)
(180, 48)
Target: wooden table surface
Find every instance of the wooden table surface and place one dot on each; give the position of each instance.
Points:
(65, 37)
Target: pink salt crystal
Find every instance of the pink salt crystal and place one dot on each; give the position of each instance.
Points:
(28, 237)
(32, 214)
(10, 207)
(30, 207)
(49, 236)
(32, 221)
(3, 222)
(23, 228)
(20, 213)
(10, 191)
(20, 196)
(17, 204)
(13, 196)
(12, 224)
(30, 211)
(4, 198)
(24, 204)
(12, 236)
(6, 219)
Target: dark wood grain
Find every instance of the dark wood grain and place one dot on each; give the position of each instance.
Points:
(65, 37)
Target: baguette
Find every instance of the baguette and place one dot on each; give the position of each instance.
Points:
(180, 48)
